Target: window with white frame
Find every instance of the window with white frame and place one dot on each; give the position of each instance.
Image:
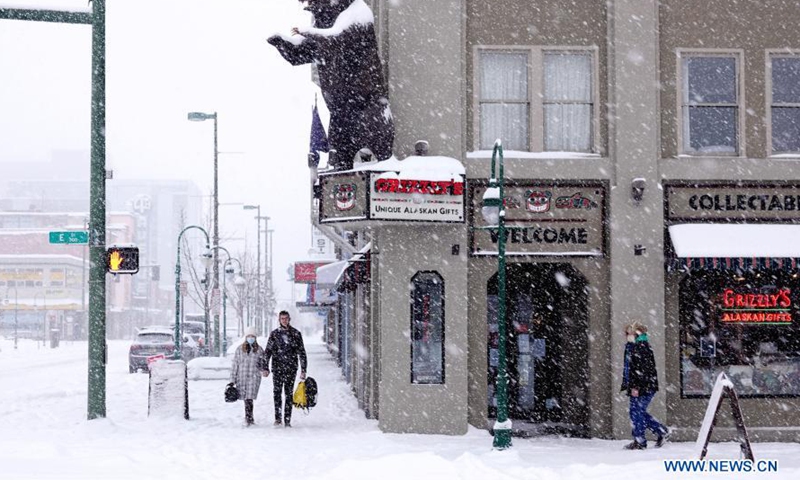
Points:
(710, 104)
(567, 102)
(785, 106)
(504, 103)
(536, 99)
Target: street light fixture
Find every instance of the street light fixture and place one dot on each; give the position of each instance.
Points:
(200, 117)
(206, 256)
(494, 213)
(259, 310)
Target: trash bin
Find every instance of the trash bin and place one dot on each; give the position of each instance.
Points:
(54, 338)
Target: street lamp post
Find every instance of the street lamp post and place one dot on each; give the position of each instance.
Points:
(259, 312)
(16, 307)
(494, 214)
(43, 293)
(239, 282)
(199, 117)
(206, 256)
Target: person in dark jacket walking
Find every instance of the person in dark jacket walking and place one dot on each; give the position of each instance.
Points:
(284, 348)
(245, 370)
(640, 382)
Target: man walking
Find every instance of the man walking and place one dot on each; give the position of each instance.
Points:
(284, 347)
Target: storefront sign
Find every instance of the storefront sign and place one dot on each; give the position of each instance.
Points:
(344, 197)
(306, 272)
(563, 219)
(756, 308)
(364, 195)
(392, 198)
(728, 202)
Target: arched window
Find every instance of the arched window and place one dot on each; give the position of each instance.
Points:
(427, 328)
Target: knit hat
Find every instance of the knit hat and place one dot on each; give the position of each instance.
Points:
(250, 332)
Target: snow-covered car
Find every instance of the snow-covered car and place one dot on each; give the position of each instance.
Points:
(152, 341)
(209, 368)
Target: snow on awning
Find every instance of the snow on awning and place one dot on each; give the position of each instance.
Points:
(715, 240)
(328, 276)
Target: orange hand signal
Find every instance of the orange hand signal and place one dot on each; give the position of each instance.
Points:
(115, 260)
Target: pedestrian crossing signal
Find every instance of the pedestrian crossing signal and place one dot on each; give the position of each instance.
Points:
(122, 259)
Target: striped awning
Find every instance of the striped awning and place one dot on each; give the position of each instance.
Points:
(740, 264)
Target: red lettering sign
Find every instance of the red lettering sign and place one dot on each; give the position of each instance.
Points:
(429, 187)
(756, 308)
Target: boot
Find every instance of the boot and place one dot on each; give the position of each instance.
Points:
(634, 445)
(248, 412)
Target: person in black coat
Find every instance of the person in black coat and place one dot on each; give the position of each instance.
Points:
(284, 348)
(350, 77)
(640, 382)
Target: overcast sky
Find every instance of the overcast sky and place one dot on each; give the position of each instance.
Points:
(164, 59)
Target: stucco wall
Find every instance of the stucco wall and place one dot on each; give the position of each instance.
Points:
(401, 252)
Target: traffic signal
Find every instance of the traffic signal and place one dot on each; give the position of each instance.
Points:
(122, 259)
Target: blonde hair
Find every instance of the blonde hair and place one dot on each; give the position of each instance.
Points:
(636, 328)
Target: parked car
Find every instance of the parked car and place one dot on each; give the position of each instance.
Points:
(195, 330)
(151, 341)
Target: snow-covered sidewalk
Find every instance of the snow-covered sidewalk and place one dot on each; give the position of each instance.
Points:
(44, 434)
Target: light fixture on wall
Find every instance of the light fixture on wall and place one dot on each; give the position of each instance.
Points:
(637, 189)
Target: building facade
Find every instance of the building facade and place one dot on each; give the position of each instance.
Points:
(651, 164)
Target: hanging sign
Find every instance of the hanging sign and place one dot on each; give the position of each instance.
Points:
(393, 198)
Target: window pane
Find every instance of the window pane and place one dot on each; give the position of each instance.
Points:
(710, 80)
(508, 122)
(785, 129)
(504, 76)
(710, 129)
(786, 80)
(567, 77)
(427, 328)
(567, 128)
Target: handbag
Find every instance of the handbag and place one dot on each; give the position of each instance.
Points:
(231, 393)
(299, 397)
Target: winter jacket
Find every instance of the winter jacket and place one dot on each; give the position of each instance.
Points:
(639, 369)
(246, 372)
(284, 347)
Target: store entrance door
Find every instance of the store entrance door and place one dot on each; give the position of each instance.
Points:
(547, 348)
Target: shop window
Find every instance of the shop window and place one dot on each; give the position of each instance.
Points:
(745, 324)
(785, 104)
(710, 104)
(427, 328)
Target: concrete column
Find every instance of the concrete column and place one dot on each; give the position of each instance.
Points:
(637, 281)
(425, 65)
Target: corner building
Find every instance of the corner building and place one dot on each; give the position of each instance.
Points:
(652, 175)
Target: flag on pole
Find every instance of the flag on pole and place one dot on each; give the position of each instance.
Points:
(319, 140)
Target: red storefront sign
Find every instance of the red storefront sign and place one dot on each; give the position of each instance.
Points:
(756, 308)
(306, 272)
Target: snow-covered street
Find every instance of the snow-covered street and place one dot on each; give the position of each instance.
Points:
(44, 434)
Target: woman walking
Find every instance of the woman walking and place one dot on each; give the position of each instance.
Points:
(640, 382)
(246, 372)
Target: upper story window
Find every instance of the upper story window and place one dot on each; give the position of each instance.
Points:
(536, 99)
(785, 103)
(710, 104)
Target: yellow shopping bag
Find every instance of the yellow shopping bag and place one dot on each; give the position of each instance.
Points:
(299, 398)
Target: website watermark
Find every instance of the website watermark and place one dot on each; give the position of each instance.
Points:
(721, 466)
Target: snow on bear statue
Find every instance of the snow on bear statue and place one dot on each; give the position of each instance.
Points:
(343, 46)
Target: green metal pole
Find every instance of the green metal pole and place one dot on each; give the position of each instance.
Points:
(97, 220)
(215, 280)
(177, 352)
(502, 430)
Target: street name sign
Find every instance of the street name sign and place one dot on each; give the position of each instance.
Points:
(73, 238)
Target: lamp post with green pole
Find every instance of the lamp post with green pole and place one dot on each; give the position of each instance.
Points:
(206, 258)
(239, 282)
(200, 117)
(259, 310)
(494, 213)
